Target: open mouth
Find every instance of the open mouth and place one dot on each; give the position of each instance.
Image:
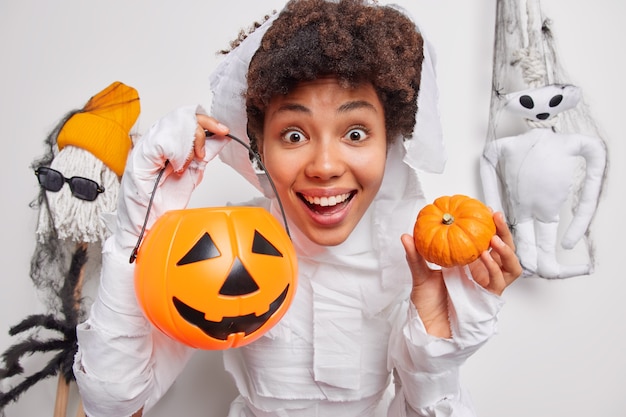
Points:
(220, 330)
(327, 204)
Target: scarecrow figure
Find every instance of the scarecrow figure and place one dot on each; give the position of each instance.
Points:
(79, 178)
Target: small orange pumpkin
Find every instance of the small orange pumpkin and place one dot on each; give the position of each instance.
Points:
(453, 230)
(216, 278)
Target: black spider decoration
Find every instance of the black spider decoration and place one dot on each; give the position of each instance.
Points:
(66, 345)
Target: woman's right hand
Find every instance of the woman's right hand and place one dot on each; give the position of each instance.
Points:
(210, 124)
(176, 145)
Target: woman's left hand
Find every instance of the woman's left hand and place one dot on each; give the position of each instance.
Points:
(494, 270)
(497, 268)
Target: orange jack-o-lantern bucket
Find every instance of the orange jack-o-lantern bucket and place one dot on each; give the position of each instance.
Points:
(216, 278)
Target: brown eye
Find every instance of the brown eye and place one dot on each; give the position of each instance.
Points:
(293, 136)
(356, 135)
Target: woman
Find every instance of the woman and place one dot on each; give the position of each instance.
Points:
(328, 93)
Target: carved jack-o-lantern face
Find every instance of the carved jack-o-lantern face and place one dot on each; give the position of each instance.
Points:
(216, 278)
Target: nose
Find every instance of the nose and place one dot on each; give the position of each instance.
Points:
(325, 160)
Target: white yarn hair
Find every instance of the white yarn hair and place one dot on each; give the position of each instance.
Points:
(72, 218)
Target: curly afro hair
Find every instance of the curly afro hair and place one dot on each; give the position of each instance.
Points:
(356, 41)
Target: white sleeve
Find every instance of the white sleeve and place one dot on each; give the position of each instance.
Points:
(123, 363)
(426, 368)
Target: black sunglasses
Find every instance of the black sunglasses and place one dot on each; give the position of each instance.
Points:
(83, 188)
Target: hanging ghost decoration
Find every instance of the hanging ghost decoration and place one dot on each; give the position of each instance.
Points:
(79, 180)
(546, 173)
(531, 176)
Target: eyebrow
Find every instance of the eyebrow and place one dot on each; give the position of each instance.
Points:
(355, 105)
(293, 107)
(344, 108)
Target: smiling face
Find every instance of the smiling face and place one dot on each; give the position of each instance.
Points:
(324, 146)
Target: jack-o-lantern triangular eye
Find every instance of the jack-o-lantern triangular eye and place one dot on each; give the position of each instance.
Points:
(203, 249)
(262, 246)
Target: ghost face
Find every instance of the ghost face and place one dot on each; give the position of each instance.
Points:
(324, 144)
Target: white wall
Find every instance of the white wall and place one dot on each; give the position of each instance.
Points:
(560, 348)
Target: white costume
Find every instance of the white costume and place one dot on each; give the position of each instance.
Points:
(351, 324)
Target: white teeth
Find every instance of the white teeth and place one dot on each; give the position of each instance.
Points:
(327, 201)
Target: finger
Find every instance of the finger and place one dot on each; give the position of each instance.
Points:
(417, 263)
(412, 256)
(206, 124)
(496, 282)
(509, 263)
(198, 143)
(502, 229)
(212, 125)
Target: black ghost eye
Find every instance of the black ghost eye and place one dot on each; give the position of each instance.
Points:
(203, 249)
(556, 100)
(262, 246)
(527, 101)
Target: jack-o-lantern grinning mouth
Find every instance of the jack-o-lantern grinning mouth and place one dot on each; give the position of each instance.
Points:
(228, 325)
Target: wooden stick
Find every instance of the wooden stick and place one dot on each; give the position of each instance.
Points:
(63, 391)
(80, 412)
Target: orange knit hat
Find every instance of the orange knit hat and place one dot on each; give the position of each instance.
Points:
(103, 126)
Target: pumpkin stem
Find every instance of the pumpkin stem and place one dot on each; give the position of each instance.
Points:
(447, 219)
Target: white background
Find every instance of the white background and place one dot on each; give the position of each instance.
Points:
(560, 348)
